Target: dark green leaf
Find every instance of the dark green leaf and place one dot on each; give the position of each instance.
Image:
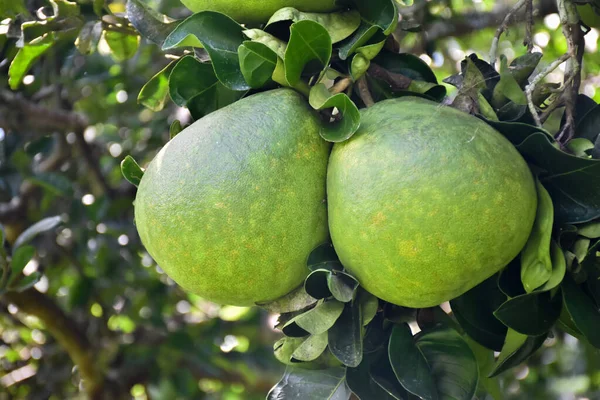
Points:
(516, 132)
(409, 364)
(383, 374)
(338, 131)
(406, 64)
(309, 41)
(311, 348)
(194, 85)
(316, 283)
(39, 227)
(507, 87)
(339, 25)
(345, 336)
(342, 286)
(522, 67)
(21, 256)
(531, 314)
(155, 92)
(221, 37)
(131, 171)
(485, 363)
(474, 311)
(98, 6)
(257, 63)
(12, 8)
(323, 254)
(296, 300)
(148, 22)
(536, 264)
(300, 383)
(573, 182)
(369, 305)
(582, 310)
(589, 126)
(381, 13)
(362, 384)
(517, 348)
(358, 39)
(27, 282)
(25, 58)
(122, 45)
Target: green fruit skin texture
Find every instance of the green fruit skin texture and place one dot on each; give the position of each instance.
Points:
(258, 11)
(425, 202)
(231, 207)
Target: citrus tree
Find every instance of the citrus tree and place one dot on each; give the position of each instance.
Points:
(419, 232)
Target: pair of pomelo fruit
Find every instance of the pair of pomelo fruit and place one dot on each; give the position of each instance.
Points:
(423, 203)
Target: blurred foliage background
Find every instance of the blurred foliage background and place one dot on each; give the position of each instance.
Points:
(101, 298)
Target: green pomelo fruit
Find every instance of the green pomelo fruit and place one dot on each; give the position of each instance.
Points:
(232, 206)
(425, 202)
(258, 11)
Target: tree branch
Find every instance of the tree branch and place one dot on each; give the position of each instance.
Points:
(67, 334)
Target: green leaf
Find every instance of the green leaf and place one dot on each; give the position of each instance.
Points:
(316, 283)
(155, 92)
(361, 383)
(98, 6)
(359, 66)
(221, 36)
(345, 336)
(474, 311)
(21, 256)
(591, 230)
(383, 374)
(320, 318)
(88, 37)
(559, 267)
(194, 85)
(507, 87)
(131, 171)
(522, 67)
(369, 305)
(580, 146)
(381, 13)
(27, 282)
(531, 314)
(582, 310)
(12, 8)
(311, 348)
(320, 98)
(573, 182)
(517, 348)
(323, 256)
(26, 57)
(285, 347)
(257, 62)
(278, 46)
(123, 46)
(358, 39)
(39, 227)
(175, 129)
(536, 264)
(300, 383)
(296, 300)
(55, 183)
(342, 286)
(515, 132)
(309, 41)
(485, 363)
(339, 25)
(148, 22)
(409, 364)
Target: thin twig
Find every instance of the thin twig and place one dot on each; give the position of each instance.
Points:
(528, 26)
(537, 79)
(364, 92)
(341, 85)
(395, 80)
(503, 26)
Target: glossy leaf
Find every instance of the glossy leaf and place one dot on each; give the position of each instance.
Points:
(39, 227)
(339, 25)
(359, 66)
(316, 284)
(21, 256)
(359, 38)
(485, 363)
(580, 147)
(131, 171)
(155, 92)
(383, 375)
(531, 314)
(123, 46)
(296, 300)
(361, 383)
(559, 267)
(381, 13)
(148, 22)
(474, 311)
(300, 383)
(345, 336)
(536, 264)
(409, 364)
(522, 67)
(25, 58)
(591, 230)
(338, 131)
(221, 36)
(257, 63)
(278, 46)
(582, 311)
(309, 41)
(588, 126)
(369, 305)
(573, 182)
(311, 348)
(517, 348)
(516, 132)
(507, 87)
